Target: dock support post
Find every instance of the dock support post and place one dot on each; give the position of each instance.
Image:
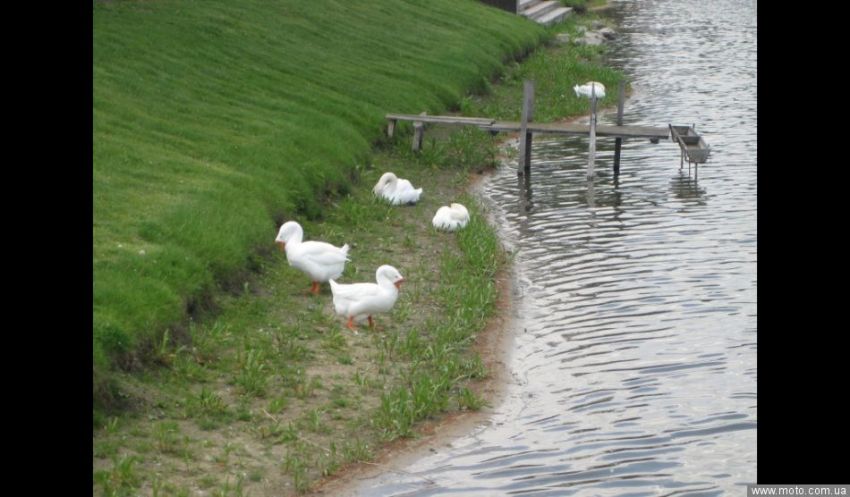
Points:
(524, 186)
(418, 133)
(390, 128)
(618, 143)
(524, 166)
(592, 152)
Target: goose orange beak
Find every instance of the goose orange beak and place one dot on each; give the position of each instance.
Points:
(398, 283)
(282, 245)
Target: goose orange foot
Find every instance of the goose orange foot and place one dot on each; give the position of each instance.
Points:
(350, 324)
(315, 288)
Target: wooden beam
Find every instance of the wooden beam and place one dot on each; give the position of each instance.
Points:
(494, 126)
(618, 143)
(524, 165)
(591, 156)
(455, 120)
(643, 132)
(418, 134)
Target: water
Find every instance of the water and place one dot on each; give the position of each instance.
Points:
(634, 361)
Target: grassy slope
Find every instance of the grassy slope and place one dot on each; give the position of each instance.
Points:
(216, 120)
(273, 392)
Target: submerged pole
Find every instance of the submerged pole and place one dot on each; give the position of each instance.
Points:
(592, 152)
(618, 143)
(524, 166)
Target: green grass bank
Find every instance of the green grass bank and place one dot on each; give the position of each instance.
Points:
(215, 121)
(274, 393)
(270, 393)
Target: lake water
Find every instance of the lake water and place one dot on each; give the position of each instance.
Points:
(634, 359)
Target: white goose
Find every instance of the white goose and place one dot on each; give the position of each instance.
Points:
(396, 190)
(588, 87)
(356, 300)
(451, 218)
(321, 261)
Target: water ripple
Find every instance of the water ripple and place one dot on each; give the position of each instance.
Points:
(635, 354)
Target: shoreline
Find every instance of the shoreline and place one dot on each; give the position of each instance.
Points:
(493, 344)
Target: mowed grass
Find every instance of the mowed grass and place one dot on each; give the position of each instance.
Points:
(215, 121)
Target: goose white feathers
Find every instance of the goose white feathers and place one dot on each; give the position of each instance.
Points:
(321, 261)
(354, 301)
(587, 88)
(451, 218)
(395, 190)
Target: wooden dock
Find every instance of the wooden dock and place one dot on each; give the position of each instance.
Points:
(646, 132)
(527, 128)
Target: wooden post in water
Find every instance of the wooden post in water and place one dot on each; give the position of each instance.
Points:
(418, 133)
(524, 166)
(618, 143)
(592, 152)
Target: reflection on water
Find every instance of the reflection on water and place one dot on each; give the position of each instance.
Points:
(524, 194)
(685, 187)
(634, 359)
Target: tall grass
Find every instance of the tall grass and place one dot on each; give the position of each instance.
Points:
(216, 120)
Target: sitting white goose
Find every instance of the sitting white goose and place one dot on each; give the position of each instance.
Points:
(451, 218)
(321, 261)
(588, 87)
(396, 190)
(354, 301)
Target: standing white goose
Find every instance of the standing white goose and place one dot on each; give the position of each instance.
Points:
(353, 301)
(589, 87)
(451, 218)
(321, 261)
(395, 190)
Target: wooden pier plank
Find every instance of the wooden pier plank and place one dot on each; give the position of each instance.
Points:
(457, 120)
(627, 131)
